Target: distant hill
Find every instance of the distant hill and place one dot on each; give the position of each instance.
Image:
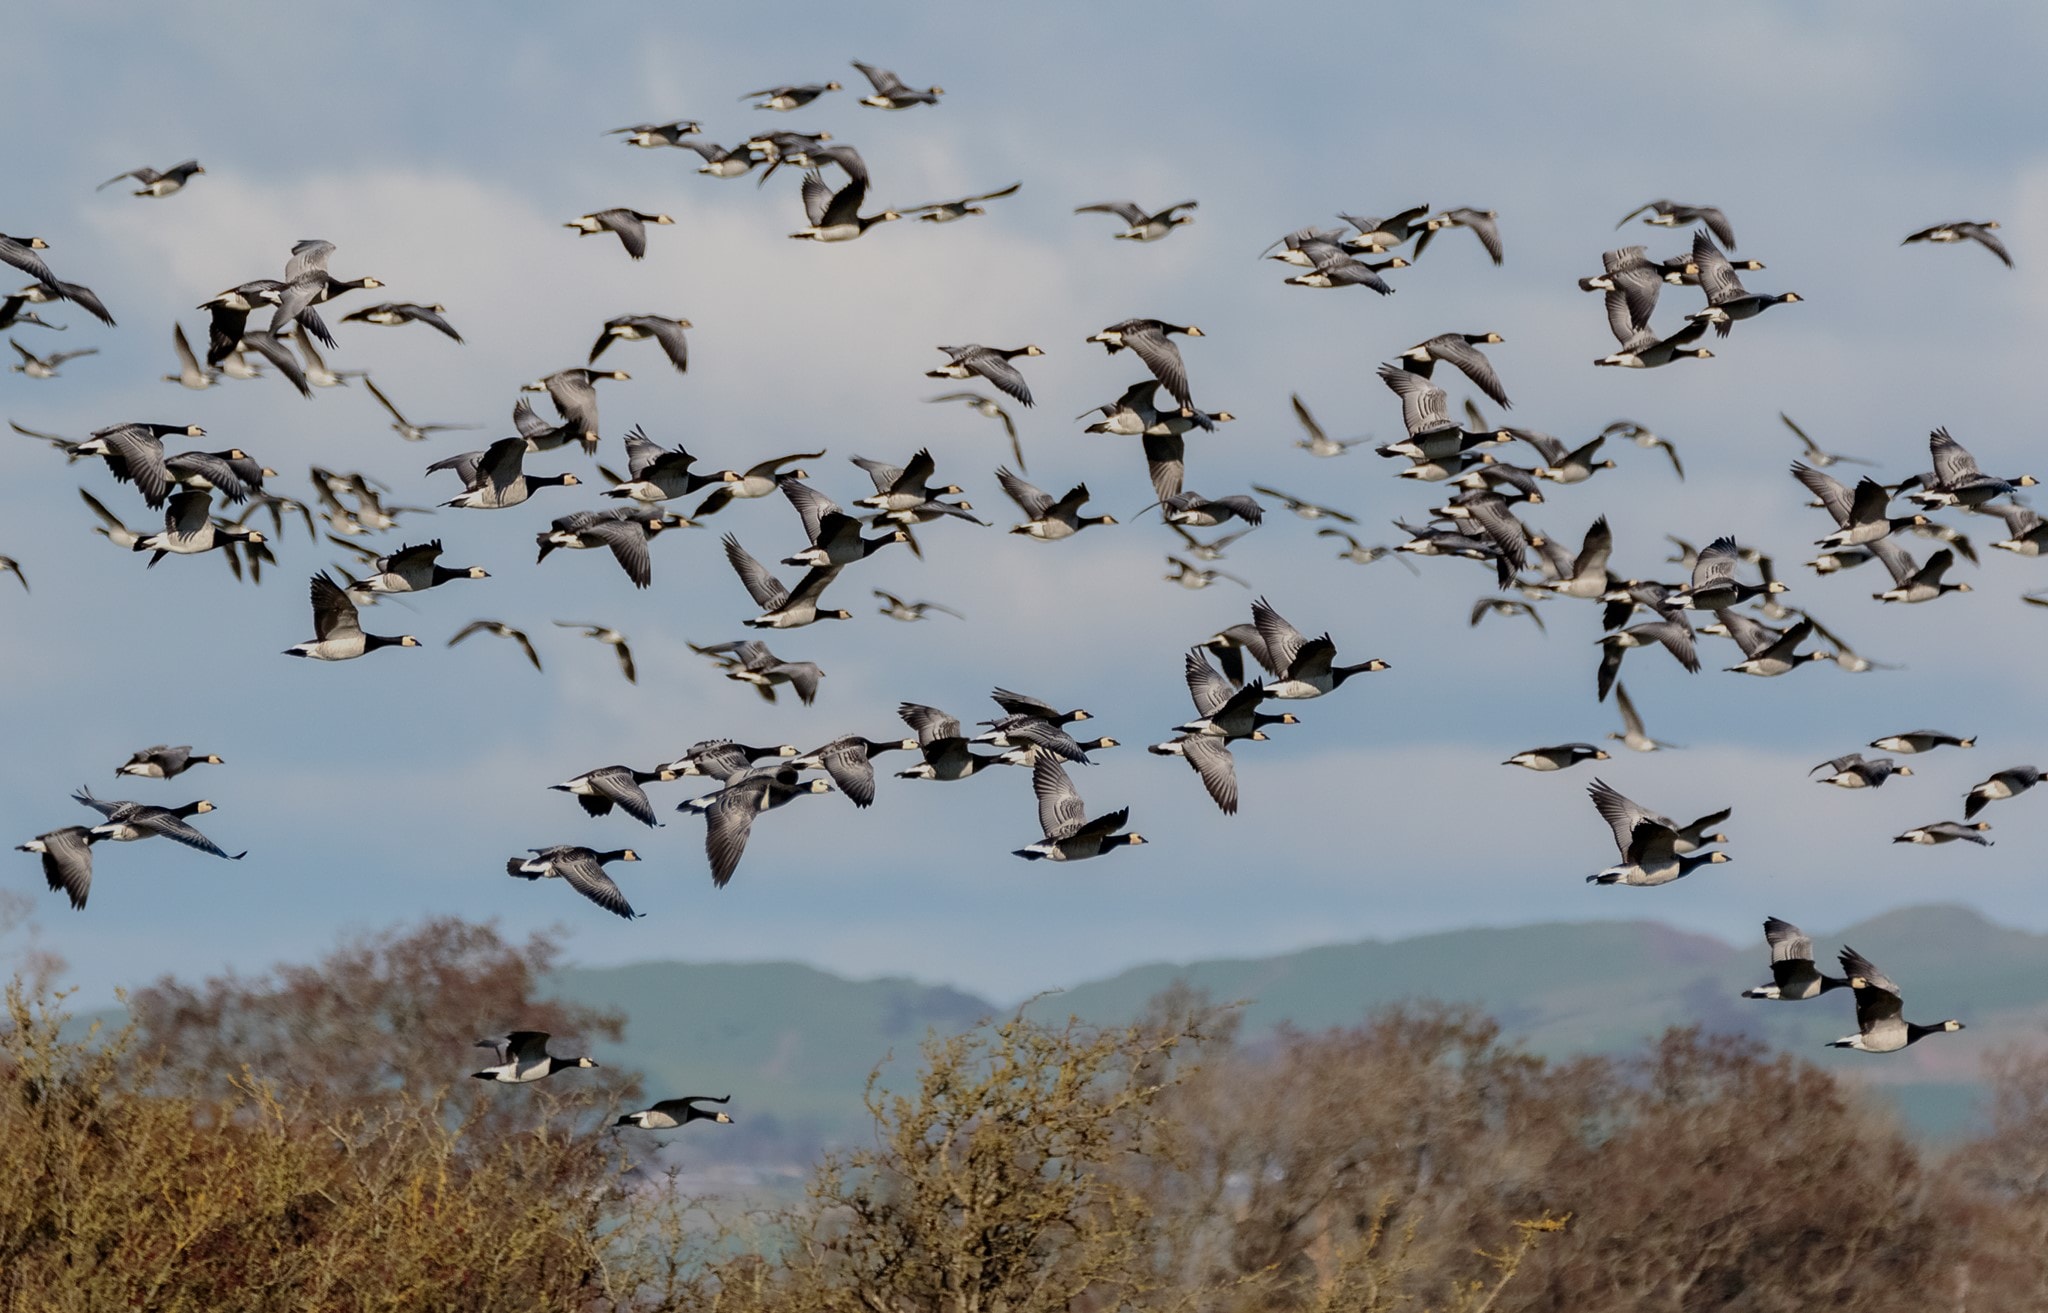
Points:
(801, 1042)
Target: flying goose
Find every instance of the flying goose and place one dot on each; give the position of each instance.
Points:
(1881, 1026)
(784, 99)
(523, 1058)
(392, 314)
(1192, 508)
(1212, 761)
(1673, 214)
(670, 1114)
(1221, 711)
(499, 629)
(1964, 231)
(988, 408)
(1319, 443)
(337, 633)
(721, 759)
(1913, 582)
(1956, 480)
(1426, 413)
(67, 860)
(11, 312)
(1380, 235)
(1921, 740)
(416, 568)
(21, 253)
(1631, 272)
(609, 636)
(1562, 756)
(1641, 348)
(1045, 519)
(191, 373)
(1794, 977)
(833, 535)
(752, 663)
(834, 216)
(2009, 783)
(905, 487)
(1845, 656)
(164, 762)
(946, 750)
(2026, 532)
(1140, 226)
(616, 786)
(1820, 459)
(991, 363)
(1307, 510)
(1334, 267)
(1727, 299)
(1766, 653)
(1562, 464)
(1460, 350)
(1643, 437)
(629, 224)
(849, 761)
(233, 473)
(1714, 586)
(1671, 631)
(1503, 606)
(1863, 517)
(1482, 224)
(1632, 734)
(1947, 832)
(583, 868)
(948, 211)
(189, 529)
(1213, 549)
(45, 366)
(128, 822)
(1148, 340)
(640, 328)
(1069, 835)
(650, 136)
(730, 818)
(574, 392)
(158, 182)
(1301, 667)
(890, 93)
(1359, 554)
(1194, 577)
(625, 531)
(782, 607)
(495, 478)
(1587, 575)
(307, 283)
(897, 609)
(402, 426)
(759, 480)
(720, 162)
(1653, 850)
(1857, 772)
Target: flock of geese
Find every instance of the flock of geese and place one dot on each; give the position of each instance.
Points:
(1243, 680)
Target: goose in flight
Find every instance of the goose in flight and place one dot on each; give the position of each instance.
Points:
(1140, 226)
(891, 93)
(1964, 231)
(1881, 1026)
(583, 869)
(164, 182)
(630, 226)
(1070, 836)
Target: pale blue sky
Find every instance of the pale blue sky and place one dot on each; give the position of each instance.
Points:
(441, 146)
